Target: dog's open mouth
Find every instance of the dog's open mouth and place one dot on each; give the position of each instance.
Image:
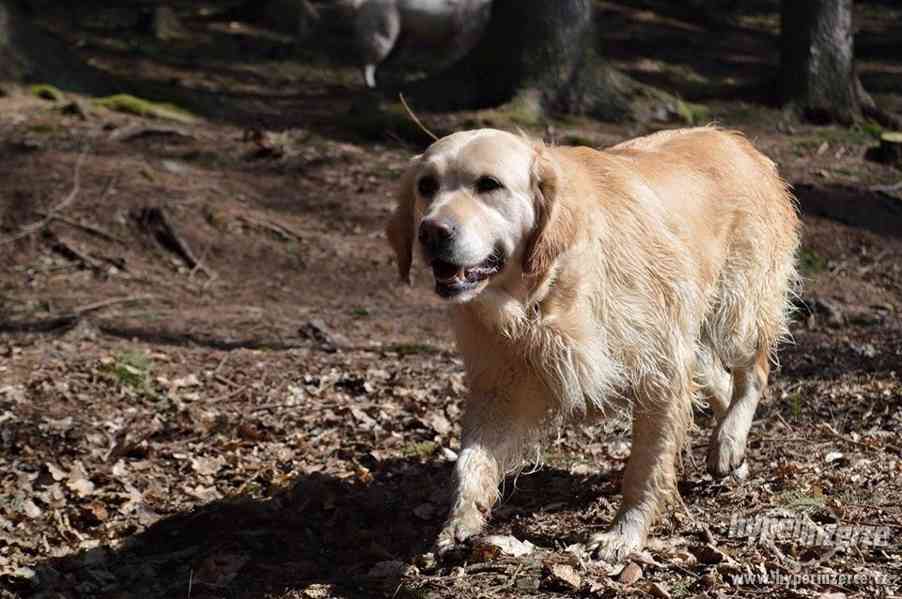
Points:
(452, 279)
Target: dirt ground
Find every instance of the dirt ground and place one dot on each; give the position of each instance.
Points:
(211, 384)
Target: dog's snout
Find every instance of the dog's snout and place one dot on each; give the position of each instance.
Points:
(436, 234)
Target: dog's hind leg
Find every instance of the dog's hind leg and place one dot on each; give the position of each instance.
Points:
(715, 383)
(726, 450)
(659, 432)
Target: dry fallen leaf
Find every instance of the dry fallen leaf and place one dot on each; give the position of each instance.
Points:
(631, 573)
(658, 590)
(207, 466)
(564, 576)
(78, 480)
(509, 545)
(31, 510)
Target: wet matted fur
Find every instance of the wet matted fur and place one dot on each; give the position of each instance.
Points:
(639, 277)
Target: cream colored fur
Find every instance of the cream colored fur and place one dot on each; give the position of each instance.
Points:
(635, 277)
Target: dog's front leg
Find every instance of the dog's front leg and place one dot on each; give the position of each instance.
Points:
(649, 479)
(494, 437)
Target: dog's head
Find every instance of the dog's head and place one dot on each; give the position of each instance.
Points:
(479, 204)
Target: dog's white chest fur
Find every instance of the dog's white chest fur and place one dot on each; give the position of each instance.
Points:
(547, 359)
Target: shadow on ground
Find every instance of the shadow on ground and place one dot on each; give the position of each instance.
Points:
(874, 211)
(322, 530)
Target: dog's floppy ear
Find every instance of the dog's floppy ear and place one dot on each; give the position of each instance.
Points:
(554, 230)
(400, 228)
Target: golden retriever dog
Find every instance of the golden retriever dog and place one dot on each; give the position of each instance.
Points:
(584, 281)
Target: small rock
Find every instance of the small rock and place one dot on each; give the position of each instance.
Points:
(316, 330)
(171, 166)
(834, 456)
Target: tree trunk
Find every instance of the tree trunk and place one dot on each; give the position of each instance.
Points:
(28, 54)
(818, 69)
(541, 55)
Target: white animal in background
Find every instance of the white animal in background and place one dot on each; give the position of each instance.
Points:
(448, 28)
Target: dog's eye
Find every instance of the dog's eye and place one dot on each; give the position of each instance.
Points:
(486, 184)
(427, 186)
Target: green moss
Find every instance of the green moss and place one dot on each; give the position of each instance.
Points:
(525, 111)
(47, 92)
(810, 262)
(871, 128)
(693, 114)
(132, 369)
(42, 128)
(423, 449)
(373, 120)
(795, 404)
(145, 108)
(802, 502)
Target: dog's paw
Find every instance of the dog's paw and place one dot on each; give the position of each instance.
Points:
(726, 457)
(613, 547)
(457, 530)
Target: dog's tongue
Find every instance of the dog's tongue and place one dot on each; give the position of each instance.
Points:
(445, 271)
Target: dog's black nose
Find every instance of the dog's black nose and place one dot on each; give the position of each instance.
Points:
(435, 235)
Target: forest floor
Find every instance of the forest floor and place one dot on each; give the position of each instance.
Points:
(212, 385)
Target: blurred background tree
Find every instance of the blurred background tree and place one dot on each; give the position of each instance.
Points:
(818, 75)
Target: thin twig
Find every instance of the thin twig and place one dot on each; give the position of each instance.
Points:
(70, 197)
(93, 307)
(886, 188)
(71, 252)
(219, 366)
(96, 231)
(417, 120)
(833, 432)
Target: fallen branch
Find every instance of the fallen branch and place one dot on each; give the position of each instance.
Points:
(886, 188)
(279, 229)
(70, 197)
(155, 220)
(66, 320)
(189, 339)
(834, 433)
(91, 229)
(44, 325)
(69, 251)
